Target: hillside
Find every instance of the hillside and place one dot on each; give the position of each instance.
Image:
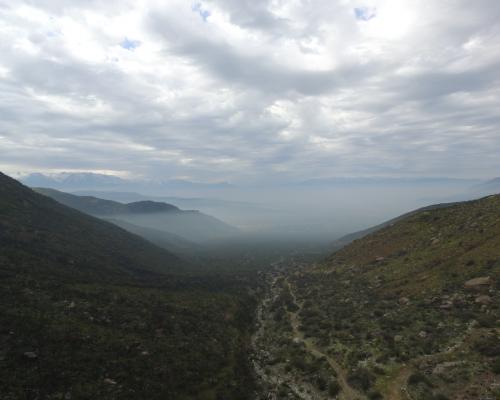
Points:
(100, 207)
(88, 310)
(409, 311)
(351, 237)
(190, 225)
(73, 242)
(166, 240)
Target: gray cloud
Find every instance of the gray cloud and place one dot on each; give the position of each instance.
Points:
(260, 91)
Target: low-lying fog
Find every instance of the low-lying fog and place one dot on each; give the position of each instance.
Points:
(318, 212)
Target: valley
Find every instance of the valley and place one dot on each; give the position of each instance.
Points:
(250, 200)
(407, 310)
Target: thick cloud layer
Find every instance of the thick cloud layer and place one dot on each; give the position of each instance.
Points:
(251, 90)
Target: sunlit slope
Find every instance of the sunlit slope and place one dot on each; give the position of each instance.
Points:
(430, 250)
(413, 305)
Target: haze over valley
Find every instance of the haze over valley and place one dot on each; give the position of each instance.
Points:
(250, 200)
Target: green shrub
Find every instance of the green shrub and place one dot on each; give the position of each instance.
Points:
(334, 388)
(488, 346)
(375, 395)
(361, 378)
(495, 366)
(417, 378)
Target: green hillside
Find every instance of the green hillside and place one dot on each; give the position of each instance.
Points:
(410, 311)
(89, 311)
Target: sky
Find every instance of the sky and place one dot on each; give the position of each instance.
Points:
(251, 90)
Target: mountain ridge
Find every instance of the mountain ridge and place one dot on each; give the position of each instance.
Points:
(191, 225)
(31, 216)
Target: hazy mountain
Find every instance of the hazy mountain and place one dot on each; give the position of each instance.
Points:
(489, 187)
(386, 181)
(190, 225)
(100, 207)
(183, 202)
(70, 239)
(73, 181)
(167, 240)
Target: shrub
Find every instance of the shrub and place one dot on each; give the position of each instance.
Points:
(361, 378)
(488, 346)
(375, 395)
(495, 366)
(417, 378)
(321, 383)
(334, 388)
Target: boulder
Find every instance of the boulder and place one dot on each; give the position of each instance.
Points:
(31, 355)
(404, 301)
(441, 368)
(446, 305)
(479, 283)
(484, 300)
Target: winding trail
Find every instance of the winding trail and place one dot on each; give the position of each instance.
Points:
(347, 393)
(397, 389)
(270, 378)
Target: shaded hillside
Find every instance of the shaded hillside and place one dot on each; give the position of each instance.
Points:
(70, 240)
(414, 305)
(99, 207)
(166, 240)
(88, 310)
(191, 225)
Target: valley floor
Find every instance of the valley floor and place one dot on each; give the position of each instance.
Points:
(288, 378)
(292, 363)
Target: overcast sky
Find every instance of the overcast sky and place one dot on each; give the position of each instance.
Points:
(251, 90)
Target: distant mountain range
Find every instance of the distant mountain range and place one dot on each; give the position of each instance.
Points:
(68, 181)
(364, 181)
(490, 187)
(149, 218)
(182, 202)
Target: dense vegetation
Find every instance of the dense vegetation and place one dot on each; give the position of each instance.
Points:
(413, 305)
(88, 310)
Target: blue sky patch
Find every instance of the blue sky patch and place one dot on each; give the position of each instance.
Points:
(130, 44)
(204, 14)
(364, 13)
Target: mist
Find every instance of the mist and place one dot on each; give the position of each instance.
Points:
(317, 211)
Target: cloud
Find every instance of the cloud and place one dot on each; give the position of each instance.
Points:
(251, 91)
